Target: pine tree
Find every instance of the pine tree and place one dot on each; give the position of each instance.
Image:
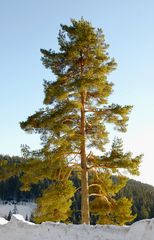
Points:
(26, 218)
(15, 210)
(74, 122)
(31, 219)
(9, 216)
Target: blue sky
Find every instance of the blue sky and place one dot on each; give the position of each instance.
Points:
(27, 26)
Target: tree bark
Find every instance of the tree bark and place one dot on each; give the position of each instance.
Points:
(84, 173)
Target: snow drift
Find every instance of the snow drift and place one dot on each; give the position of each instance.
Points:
(19, 229)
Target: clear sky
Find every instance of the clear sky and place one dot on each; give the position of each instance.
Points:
(26, 26)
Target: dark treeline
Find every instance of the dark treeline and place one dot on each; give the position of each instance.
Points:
(143, 198)
(10, 189)
(141, 194)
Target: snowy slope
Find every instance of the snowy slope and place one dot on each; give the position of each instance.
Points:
(23, 208)
(19, 229)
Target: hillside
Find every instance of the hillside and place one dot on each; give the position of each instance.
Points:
(23, 208)
(141, 194)
(143, 198)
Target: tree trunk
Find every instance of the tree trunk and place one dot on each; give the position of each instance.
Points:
(84, 174)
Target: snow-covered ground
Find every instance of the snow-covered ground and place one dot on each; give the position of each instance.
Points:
(19, 229)
(23, 208)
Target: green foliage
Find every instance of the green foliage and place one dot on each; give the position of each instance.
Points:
(119, 213)
(116, 159)
(10, 180)
(105, 206)
(54, 204)
(142, 196)
(9, 166)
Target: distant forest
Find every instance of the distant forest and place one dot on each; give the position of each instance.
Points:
(141, 194)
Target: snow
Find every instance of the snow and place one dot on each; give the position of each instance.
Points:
(3, 221)
(19, 229)
(18, 217)
(23, 208)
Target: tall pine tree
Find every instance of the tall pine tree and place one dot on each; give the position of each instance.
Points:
(73, 124)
